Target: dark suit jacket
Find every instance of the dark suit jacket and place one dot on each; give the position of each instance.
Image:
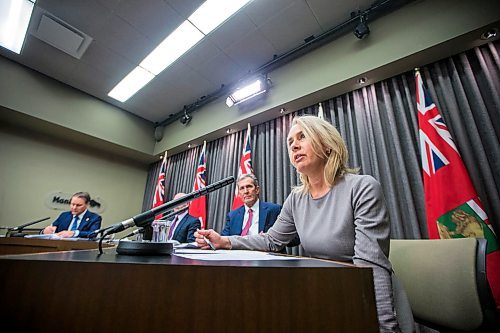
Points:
(184, 233)
(268, 212)
(89, 223)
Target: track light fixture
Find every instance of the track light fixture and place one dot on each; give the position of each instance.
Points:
(362, 31)
(186, 118)
(490, 34)
(247, 90)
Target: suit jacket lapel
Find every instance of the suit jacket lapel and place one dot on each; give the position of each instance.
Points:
(179, 226)
(67, 222)
(262, 216)
(84, 221)
(239, 219)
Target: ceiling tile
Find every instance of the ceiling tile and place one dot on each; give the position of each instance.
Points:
(261, 11)
(185, 7)
(296, 23)
(88, 16)
(252, 51)
(205, 51)
(107, 61)
(231, 72)
(48, 60)
(124, 39)
(232, 31)
(329, 16)
(155, 21)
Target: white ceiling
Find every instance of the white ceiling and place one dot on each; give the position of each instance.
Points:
(125, 31)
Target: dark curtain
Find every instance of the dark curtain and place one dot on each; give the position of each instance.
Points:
(379, 124)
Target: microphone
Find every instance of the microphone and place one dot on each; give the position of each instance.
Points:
(148, 216)
(164, 218)
(135, 232)
(21, 227)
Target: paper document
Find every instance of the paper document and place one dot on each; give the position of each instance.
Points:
(191, 245)
(51, 236)
(198, 254)
(44, 236)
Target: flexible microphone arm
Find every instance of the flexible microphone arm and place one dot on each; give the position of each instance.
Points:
(140, 230)
(148, 216)
(169, 215)
(21, 227)
(135, 232)
(172, 213)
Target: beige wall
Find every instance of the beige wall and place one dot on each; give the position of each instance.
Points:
(32, 165)
(29, 93)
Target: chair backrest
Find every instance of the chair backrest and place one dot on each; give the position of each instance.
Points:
(445, 281)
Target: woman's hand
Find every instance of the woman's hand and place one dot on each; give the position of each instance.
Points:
(218, 241)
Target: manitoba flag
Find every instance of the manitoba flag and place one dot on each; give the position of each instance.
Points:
(451, 202)
(244, 168)
(159, 197)
(198, 207)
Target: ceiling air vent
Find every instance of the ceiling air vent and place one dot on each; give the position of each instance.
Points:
(60, 35)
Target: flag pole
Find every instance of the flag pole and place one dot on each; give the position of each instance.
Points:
(320, 112)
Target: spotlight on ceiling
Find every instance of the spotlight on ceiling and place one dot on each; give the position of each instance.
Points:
(362, 31)
(490, 34)
(247, 90)
(186, 118)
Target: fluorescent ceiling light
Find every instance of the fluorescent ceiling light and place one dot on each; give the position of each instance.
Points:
(172, 47)
(14, 20)
(213, 13)
(130, 84)
(250, 90)
(207, 17)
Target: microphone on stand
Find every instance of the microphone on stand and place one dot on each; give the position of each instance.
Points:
(20, 228)
(145, 219)
(141, 230)
(163, 219)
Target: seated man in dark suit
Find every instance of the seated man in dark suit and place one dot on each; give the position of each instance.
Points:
(183, 225)
(254, 216)
(78, 222)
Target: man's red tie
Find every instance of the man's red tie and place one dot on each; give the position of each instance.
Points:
(249, 223)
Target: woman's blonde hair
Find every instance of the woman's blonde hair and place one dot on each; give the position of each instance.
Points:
(328, 145)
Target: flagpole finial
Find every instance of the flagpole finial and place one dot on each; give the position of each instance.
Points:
(320, 112)
(417, 69)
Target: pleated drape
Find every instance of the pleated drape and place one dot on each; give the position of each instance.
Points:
(379, 124)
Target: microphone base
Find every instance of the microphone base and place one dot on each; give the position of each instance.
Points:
(134, 248)
(17, 234)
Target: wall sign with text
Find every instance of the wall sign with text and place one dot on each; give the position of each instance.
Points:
(61, 200)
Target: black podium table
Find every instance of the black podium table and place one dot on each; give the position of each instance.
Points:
(23, 245)
(84, 291)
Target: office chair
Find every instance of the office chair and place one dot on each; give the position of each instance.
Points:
(445, 281)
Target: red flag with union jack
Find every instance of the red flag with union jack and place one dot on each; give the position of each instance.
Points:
(451, 202)
(198, 207)
(244, 168)
(159, 198)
